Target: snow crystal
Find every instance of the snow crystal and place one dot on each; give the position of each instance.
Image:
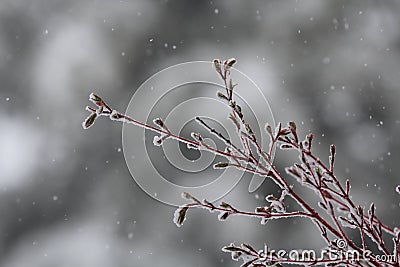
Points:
(216, 11)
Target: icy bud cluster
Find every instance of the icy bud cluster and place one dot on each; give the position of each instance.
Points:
(94, 113)
(164, 133)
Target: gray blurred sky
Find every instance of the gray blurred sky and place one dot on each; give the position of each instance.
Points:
(66, 196)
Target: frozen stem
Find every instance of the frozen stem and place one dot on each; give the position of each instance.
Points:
(310, 172)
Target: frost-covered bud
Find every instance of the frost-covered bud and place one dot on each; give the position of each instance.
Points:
(285, 146)
(276, 203)
(221, 165)
(197, 137)
(309, 138)
(229, 63)
(271, 198)
(96, 99)
(236, 255)
(292, 125)
(186, 195)
(223, 215)
(333, 149)
(262, 210)
(89, 121)
(268, 129)
(159, 122)
(248, 129)
(226, 205)
(360, 210)
(236, 252)
(180, 215)
(157, 141)
(115, 116)
(222, 96)
(396, 231)
(217, 65)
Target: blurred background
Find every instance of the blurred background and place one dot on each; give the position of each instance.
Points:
(66, 195)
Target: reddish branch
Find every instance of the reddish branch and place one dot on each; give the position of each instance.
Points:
(310, 172)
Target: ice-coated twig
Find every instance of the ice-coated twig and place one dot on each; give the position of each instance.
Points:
(104, 110)
(274, 211)
(339, 210)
